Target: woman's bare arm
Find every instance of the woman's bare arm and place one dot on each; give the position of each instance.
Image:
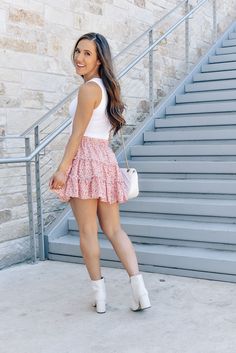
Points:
(87, 98)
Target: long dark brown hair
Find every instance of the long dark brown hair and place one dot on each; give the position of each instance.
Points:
(115, 106)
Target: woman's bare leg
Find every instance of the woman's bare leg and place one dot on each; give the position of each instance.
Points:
(109, 219)
(85, 212)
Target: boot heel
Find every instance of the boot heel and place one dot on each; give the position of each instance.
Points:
(99, 295)
(140, 299)
(101, 306)
(144, 302)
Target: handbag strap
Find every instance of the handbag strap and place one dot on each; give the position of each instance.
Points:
(126, 160)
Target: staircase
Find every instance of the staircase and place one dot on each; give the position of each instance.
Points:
(183, 222)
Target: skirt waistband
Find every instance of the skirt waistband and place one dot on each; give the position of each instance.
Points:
(95, 140)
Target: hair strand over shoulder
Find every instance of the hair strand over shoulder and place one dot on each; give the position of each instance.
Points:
(115, 106)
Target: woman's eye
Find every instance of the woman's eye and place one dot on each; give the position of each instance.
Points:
(88, 54)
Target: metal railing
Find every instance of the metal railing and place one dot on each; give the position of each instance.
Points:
(148, 32)
(33, 156)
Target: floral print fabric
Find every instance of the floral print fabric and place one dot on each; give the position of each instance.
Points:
(94, 174)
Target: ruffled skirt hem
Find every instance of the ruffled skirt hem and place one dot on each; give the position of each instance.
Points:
(94, 174)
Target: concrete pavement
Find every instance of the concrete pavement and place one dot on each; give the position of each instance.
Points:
(45, 308)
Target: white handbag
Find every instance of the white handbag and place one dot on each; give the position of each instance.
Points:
(130, 176)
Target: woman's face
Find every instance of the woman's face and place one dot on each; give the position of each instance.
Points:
(85, 59)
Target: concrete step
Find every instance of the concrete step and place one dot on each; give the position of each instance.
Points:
(147, 229)
(221, 58)
(229, 42)
(203, 120)
(192, 186)
(206, 96)
(190, 135)
(232, 35)
(208, 107)
(227, 50)
(214, 76)
(184, 150)
(181, 206)
(210, 86)
(184, 167)
(194, 262)
(219, 67)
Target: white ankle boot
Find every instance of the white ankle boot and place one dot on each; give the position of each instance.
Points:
(140, 299)
(99, 295)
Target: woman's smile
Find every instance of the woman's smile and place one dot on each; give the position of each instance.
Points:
(80, 66)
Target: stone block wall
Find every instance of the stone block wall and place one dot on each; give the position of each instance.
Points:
(36, 40)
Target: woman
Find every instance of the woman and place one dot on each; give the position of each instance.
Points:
(88, 176)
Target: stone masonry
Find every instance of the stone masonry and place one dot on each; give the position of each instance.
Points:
(36, 72)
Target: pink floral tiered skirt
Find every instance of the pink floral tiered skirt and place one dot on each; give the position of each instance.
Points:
(94, 174)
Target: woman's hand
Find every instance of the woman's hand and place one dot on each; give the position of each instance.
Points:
(57, 180)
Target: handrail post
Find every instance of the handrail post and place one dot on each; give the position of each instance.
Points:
(39, 198)
(214, 34)
(151, 100)
(33, 249)
(187, 38)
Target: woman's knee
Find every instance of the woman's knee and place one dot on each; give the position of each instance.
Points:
(110, 231)
(88, 230)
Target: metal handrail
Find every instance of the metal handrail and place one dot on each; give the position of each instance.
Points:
(39, 146)
(165, 35)
(119, 76)
(50, 112)
(61, 103)
(152, 27)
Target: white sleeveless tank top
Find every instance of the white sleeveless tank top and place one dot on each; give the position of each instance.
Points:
(99, 125)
